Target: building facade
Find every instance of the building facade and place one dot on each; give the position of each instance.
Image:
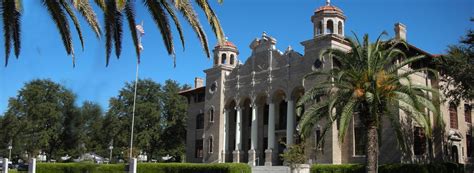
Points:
(246, 112)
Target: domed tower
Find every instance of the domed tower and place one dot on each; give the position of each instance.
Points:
(328, 19)
(225, 54)
(225, 60)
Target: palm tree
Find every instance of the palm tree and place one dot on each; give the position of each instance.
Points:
(113, 10)
(370, 80)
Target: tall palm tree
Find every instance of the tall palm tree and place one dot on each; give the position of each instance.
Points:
(113, 10)
(370, 80)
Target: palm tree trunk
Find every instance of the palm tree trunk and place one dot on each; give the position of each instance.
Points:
(372, 148)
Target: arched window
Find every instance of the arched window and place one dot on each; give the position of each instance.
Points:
(216, 60)
(211, 144)
(224, 58)
(200, 121)
(339, 28)
(211, 115)
(319, 28)
(453, 116)
(330, 27)
(231, 59)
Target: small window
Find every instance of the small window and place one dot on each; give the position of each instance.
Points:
(198, 148)
(467, 113)
(232, 59)
(453, 116)
(224, 59)
(419, 141)
(317, 139)
(213, 87)
(319, 30)
(339, 28)
(317, 64)
(360, 138)
(200, 121)
(330, 27)
(211, 144)
(211, 115)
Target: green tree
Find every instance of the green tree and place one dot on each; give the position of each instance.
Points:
(89, 127)
(159, 119)
(367, 82)
(174, 120)
(114, 10)
(147, 117)
(457, 69)
(41, 107)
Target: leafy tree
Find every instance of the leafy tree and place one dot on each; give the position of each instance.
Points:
(147, 116)
(41, 107)
(89, 127)
(366, 82)
(457, 69)
(159, 119)
(174, 124)
(114, 10)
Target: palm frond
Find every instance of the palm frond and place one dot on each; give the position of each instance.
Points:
(59, 17)
(74, 19)
(212, 19)
(175, 19)
(85, 9)
(161, 19)
(7, 11)
(130, 13)
(346, 117)
(190, 15)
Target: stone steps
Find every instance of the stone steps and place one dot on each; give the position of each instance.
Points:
(271, 169)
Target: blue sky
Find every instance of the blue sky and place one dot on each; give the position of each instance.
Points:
(431, 25)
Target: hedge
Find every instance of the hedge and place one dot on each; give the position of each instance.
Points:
(391, 168)
(193, 168)
(142, 168)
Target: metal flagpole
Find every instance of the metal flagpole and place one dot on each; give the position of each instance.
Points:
(140, 33)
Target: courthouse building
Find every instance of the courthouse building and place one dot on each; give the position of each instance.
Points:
(246, 111)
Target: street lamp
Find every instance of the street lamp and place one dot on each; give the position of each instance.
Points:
(111, 147)
(10, 150)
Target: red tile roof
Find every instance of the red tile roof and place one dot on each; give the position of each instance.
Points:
(328, 8)
(226, 43)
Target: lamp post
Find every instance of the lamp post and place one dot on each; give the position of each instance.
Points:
(111, 147)
(10, 147)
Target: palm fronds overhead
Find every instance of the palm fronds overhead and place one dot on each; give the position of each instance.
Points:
(11, 14)
(61, 11)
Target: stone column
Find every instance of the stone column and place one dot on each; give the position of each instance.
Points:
(253, 137)
(238, 128)
(224, 138)
(290, 122)
(271, 134)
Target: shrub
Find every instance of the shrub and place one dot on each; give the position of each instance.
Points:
(79, 168)
(391, 168)
(193, 168)
(345, 168)
(142, 168)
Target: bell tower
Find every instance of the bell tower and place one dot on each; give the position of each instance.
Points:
(328, 19)
(224, 61)
(225, 54)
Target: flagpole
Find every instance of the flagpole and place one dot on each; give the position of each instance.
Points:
(133, 111)
(140, 32)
